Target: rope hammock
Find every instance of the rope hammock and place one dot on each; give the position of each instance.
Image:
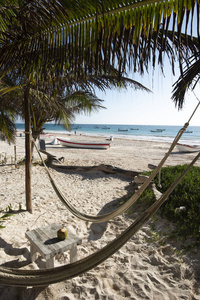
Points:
(18, 277)
(127, 204)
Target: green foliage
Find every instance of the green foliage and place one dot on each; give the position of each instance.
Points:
(3, 218)
(9, 208)
(8, 212)
(146, 200)
(7, 126)
(186, 194)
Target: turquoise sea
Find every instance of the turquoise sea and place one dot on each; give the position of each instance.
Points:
(137, 132)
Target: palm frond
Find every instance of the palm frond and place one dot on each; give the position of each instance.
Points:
(188, 80)
(7, 126)
(189, 62)
(87, 33)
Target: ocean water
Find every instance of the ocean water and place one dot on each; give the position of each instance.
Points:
(135, 132)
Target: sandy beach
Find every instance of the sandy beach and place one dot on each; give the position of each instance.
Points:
(144, 268)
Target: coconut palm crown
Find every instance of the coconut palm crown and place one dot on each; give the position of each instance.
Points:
(44, 40)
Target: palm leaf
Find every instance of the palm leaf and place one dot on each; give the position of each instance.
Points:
(189, 66)
(188, 80)
(54, 18)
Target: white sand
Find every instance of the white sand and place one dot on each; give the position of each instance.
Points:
(141, 269)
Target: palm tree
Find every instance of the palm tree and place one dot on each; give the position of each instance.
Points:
(8, 112)
(44, 40)
(67, 106)
(75, 97)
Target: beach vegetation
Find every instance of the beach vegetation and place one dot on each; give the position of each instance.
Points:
(156, 237)
(182, 207)
(4, 217)
(34, 162)
(8, 212)
(146, 200)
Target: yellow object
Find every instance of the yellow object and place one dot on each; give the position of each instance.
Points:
(62, 234)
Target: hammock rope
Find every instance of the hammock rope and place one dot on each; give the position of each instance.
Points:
(43, 277)
(123, 207)
(131, 200)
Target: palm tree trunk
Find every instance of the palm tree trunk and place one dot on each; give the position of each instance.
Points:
(28, 149)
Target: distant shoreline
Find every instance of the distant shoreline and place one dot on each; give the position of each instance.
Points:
(157, 137)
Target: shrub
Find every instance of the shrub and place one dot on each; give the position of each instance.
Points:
(187, 194)
(146, 200)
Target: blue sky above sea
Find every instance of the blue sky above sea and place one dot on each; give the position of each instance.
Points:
(130, 106)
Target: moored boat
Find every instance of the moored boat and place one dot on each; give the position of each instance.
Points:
(122, 129)
(187, 148)
(158, 130)
(83, 145)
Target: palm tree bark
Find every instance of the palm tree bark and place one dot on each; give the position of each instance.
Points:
(28, 148)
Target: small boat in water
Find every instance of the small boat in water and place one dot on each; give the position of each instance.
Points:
(158, 130)
(187, 148)
(122, 129)
(85, 145)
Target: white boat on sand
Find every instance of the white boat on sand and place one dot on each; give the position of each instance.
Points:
(187, 148)
(85, 145)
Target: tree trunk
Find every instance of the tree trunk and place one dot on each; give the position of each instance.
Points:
(28, 149)
(35, 136)
(32, 148)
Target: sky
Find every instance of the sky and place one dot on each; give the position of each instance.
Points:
(136, 107)
(132, 107)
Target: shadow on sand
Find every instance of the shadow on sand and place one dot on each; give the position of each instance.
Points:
(22, 293)
(98, 229)
(92, 173)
